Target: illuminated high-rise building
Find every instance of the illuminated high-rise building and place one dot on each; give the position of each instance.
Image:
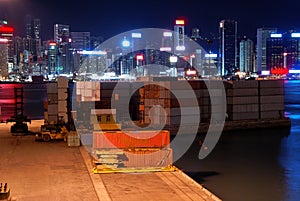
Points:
(283, 51)
(61, 33)
(28, 27)
(7, 33)
(262, 36)
(3, 57)
(179, 35)
(246, 55)
(81, 40)
(228, 46)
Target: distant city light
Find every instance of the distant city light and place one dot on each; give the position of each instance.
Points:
(70, 40)
(168, 34)
(139, 57)
(180, 48)
(125, 43)
(221, 25)
(165, 49)
(173, 59)
(179, 22)
(211, 55)
(265, 72)
(86, 52)
(52, 44)
(285, 54)
(191, 72)
(296, 35)
(276, 35)
(136, 35)
(294, 71)
(3, 40)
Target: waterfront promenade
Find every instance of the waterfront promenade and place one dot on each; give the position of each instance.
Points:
(54, 171)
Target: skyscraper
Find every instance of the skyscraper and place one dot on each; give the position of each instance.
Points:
(283, 51)
(81, 40)
(246, 55)
(275, 50)
(228, 46)
(262, 36)
(61, 32)
(28, 26)
(179, 35)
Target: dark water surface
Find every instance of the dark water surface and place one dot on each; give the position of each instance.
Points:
(256, 165)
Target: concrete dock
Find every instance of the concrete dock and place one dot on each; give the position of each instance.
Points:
(54, 171)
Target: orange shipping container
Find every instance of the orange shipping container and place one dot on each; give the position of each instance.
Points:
(131, 139)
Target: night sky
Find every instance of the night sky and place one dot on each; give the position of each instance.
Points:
(108, 18)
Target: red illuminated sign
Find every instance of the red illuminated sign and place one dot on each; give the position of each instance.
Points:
(52, 44)
(6, 29)
(279, 71)
(180, 22)
(139, 57)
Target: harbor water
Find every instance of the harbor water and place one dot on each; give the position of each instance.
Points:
(253, 165)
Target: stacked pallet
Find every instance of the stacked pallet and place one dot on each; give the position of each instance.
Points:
(242, 100)
(73, 139)
(271, 99)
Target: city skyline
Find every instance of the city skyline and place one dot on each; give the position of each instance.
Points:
(107, 19)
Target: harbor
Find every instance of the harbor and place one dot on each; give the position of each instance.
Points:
(134, 164)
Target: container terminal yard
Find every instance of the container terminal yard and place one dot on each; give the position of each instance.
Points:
(92, 151)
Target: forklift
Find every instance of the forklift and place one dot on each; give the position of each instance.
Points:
(20, 120)
(57, 131)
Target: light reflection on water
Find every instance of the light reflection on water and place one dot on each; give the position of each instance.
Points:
(290, 147)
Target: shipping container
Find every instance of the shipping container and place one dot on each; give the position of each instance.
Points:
(131, 139)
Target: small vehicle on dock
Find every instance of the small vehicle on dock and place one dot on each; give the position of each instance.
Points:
(52, 132)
